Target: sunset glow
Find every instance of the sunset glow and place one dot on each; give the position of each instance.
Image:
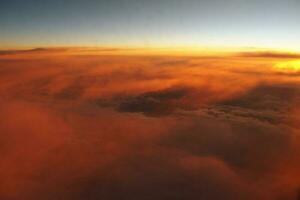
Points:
(149, 100)
(288, 66)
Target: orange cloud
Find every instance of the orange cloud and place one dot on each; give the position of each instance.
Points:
(78, 126)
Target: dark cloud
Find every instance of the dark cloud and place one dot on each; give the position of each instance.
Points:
(171, 62)
(271, 73)
(155, 103)
(35, 50)
(274, 97)
(269, 54)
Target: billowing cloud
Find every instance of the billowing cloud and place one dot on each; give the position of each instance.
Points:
(138, 127)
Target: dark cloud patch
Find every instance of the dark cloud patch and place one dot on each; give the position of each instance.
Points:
(228, 112)
(271, 117)
(265, 102)
(157, 103)
(172, 62)
(274, 97)
(280, 55)
(100, 49)
(263, 73)
(35, 50)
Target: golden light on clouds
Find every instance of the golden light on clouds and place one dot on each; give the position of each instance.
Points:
(288, 66)
(121, 124)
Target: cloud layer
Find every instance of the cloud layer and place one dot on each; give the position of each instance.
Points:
(147, 127)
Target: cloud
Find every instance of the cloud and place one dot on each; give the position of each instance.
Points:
(117, 127)
(249, 144)
(33, 51)
(269, 54)
(266, 97)
(155, 103)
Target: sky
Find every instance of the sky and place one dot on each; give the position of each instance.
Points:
(155, 23)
